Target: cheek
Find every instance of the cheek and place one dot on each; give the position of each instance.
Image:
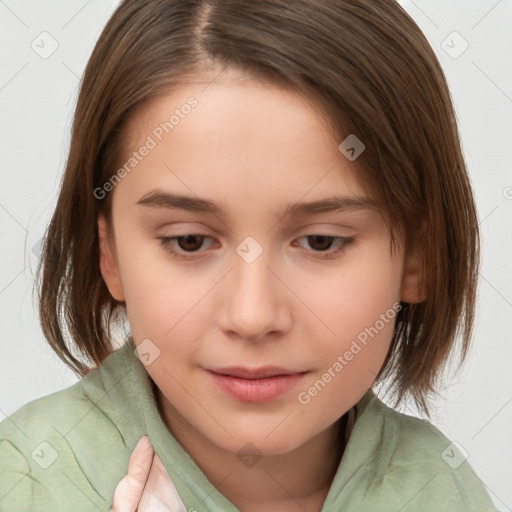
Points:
(359, 305)
(352, 297)
(161, 298)
(348, 364)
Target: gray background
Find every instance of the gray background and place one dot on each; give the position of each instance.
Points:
(37, 96)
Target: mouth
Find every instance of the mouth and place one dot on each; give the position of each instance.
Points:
(256, 385)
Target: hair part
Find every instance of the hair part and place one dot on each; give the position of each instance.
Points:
(366, 66)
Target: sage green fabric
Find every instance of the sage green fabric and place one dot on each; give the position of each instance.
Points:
(69, 450)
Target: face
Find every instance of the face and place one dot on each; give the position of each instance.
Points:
(254, 267)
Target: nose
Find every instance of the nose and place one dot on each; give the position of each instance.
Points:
(255, 304)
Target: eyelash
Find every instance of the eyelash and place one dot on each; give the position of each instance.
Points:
(167, 243)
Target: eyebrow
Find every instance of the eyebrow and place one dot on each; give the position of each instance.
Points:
(159, 199)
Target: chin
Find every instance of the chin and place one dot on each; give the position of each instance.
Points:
(263, 441)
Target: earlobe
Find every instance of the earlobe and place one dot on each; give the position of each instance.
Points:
(108, 261)
(413, 282)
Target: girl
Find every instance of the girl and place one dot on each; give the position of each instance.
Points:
(272, 195)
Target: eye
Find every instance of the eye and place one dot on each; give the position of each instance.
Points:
(324, 243)
(189, 246)
(181, 246)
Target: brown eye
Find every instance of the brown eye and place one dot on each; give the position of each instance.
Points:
(186, 246)
(320, 242)
(190, 242)
(325, 246)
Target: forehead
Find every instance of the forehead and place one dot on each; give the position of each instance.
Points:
(229, 99)
(232, 132)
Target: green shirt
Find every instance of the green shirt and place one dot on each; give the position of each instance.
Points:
(69, 450)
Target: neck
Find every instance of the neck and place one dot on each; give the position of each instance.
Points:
(291, 481)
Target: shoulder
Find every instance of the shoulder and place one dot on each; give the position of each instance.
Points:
(71, 446)
(417, 465)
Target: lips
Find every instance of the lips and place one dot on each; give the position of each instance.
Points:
(254, 373)
(256, 385)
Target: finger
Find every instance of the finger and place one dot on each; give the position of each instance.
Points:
(129, 490)
(160, 494)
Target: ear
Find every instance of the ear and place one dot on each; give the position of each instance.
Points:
(413, 281)
(108, 261)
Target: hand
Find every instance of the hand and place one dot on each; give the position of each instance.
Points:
(147, 487)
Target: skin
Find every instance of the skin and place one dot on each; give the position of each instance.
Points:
(254, 148)
(147, 486)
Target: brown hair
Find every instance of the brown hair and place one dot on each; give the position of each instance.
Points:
(367, 66)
